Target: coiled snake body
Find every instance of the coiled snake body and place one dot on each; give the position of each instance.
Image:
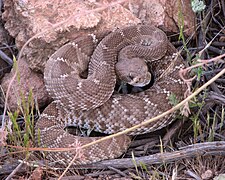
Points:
(90, 103)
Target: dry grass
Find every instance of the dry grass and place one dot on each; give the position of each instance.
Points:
(205, 124)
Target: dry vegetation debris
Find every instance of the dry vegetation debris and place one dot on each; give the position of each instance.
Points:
(194, 146)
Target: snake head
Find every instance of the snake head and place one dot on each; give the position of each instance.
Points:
(133, 71)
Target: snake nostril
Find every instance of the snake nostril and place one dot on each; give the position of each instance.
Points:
(130, 77)
(137, 79)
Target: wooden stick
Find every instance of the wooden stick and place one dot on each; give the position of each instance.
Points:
(190, 151)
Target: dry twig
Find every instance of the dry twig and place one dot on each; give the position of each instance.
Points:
(190, 151)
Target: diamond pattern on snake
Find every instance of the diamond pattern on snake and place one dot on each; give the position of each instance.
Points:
(88, 101)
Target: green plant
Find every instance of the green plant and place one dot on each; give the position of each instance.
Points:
(173, 99)
(142, 171)
(22, 136)
(195, 117)
(181, 32)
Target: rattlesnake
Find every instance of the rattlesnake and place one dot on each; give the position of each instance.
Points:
(90, 103)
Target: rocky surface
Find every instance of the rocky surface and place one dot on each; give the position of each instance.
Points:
(5, 50)
(28, 80)
(165, 14)
(51, 24)
(62, 21)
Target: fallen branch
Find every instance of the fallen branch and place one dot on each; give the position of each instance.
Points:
(190, 151)
(15, 171)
